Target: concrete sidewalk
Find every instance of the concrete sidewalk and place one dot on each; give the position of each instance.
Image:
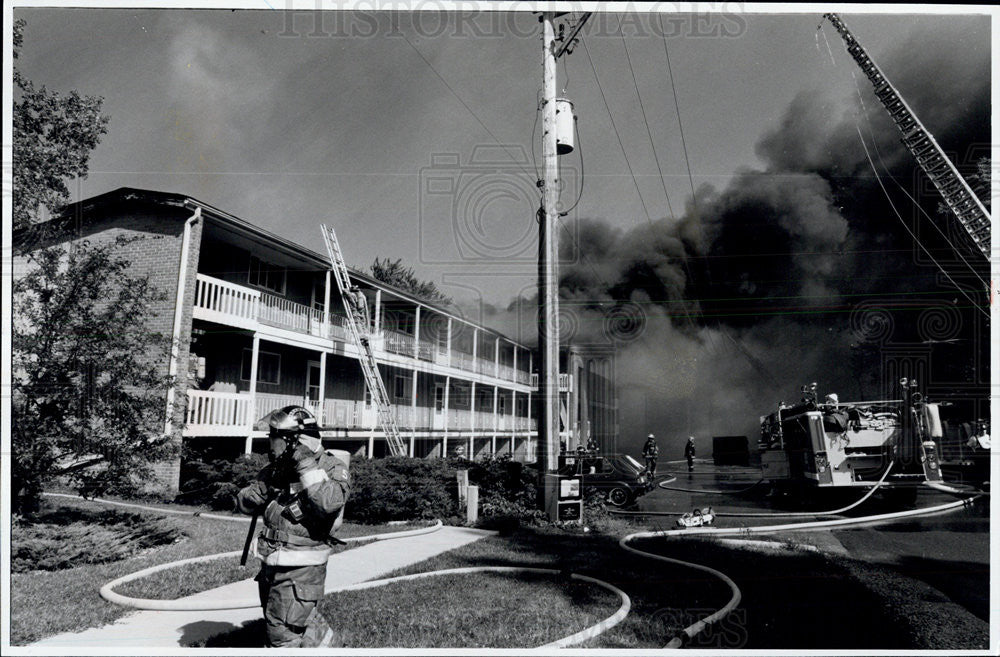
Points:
(170, 629)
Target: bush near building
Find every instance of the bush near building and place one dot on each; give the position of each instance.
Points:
(214, 481)
(382, 490)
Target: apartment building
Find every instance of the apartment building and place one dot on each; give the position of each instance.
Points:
(259, 324)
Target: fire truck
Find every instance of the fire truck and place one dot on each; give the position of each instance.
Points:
(834, 444)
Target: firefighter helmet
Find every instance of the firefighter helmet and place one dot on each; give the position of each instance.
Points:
(292, 420)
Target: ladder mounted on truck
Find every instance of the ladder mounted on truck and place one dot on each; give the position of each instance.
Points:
(356, 308)
(959, 197)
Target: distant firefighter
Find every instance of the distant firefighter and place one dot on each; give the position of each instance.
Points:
(356, 298)
(650, 452)
(689, 453)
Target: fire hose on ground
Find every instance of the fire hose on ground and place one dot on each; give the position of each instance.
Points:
(682, 638)
(107, 591)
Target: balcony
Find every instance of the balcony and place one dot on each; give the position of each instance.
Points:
(228, 303)
(565, 382)
(211, 413)
(398, 343)
(507, 373)
(425, 350)
(463, 361)
(218, 414)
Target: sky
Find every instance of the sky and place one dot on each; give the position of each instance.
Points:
(287, 128)
(415, 136)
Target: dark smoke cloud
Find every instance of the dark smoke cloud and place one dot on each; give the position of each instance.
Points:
(756, 289)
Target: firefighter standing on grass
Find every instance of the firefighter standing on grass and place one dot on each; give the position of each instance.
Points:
(300, 494)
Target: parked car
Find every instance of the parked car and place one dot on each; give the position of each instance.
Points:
(619, 477)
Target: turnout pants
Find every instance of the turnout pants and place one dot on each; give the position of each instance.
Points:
(289, 596)
(651, 465)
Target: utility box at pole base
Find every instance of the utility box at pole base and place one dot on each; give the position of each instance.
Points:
(564, 498)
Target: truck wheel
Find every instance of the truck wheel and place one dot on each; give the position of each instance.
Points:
(618, 496)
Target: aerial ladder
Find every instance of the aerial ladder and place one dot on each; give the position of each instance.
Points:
(356, 308)
(958, 196)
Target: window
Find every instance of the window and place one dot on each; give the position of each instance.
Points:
(502, 405)
(439, 398)
(318, 294)
(460, 396)
(265, 275)
(400, 390)
(268, 366)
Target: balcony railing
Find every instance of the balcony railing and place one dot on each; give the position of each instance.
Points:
(484, 421)
(463, 361)
(507, 373)
(212, 413)
(425, 350)
(283, 313)
(224, 301)
(218, 413)
(565, 382)
(485, 366)
(398, 343)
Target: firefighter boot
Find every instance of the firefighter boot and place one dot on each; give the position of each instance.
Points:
(319, 634)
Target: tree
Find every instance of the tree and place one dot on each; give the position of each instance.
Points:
(396, 274)
(88, 385)
(53, 138)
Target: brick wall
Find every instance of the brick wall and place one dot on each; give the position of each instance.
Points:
(156, 251)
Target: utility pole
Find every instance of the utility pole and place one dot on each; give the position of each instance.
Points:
(557, 137)
(548, 254)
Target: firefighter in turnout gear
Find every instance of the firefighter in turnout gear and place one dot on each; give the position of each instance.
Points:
(301, 494)
(651, 452)
(689, 453)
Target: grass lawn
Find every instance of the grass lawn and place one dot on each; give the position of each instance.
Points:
(791, 600)
(505, 611)
(497, 611)
(44, 603)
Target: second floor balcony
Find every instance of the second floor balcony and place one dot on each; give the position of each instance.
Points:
(232, 304)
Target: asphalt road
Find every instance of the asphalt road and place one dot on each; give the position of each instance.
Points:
(950, 552)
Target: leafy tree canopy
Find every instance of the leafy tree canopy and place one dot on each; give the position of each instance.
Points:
(88, 385)
(88, 377)
(53, 137)
(393, 272)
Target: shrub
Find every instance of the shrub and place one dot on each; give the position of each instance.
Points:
(401, 488)
(67, 538)
(214, 482)
(508, 489)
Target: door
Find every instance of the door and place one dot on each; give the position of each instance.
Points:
(312, 388)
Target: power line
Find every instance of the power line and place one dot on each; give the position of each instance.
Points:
(903, 222)
(615, 128)
(680, 124)
(469, 109)
(635, 83)
(878, 153)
